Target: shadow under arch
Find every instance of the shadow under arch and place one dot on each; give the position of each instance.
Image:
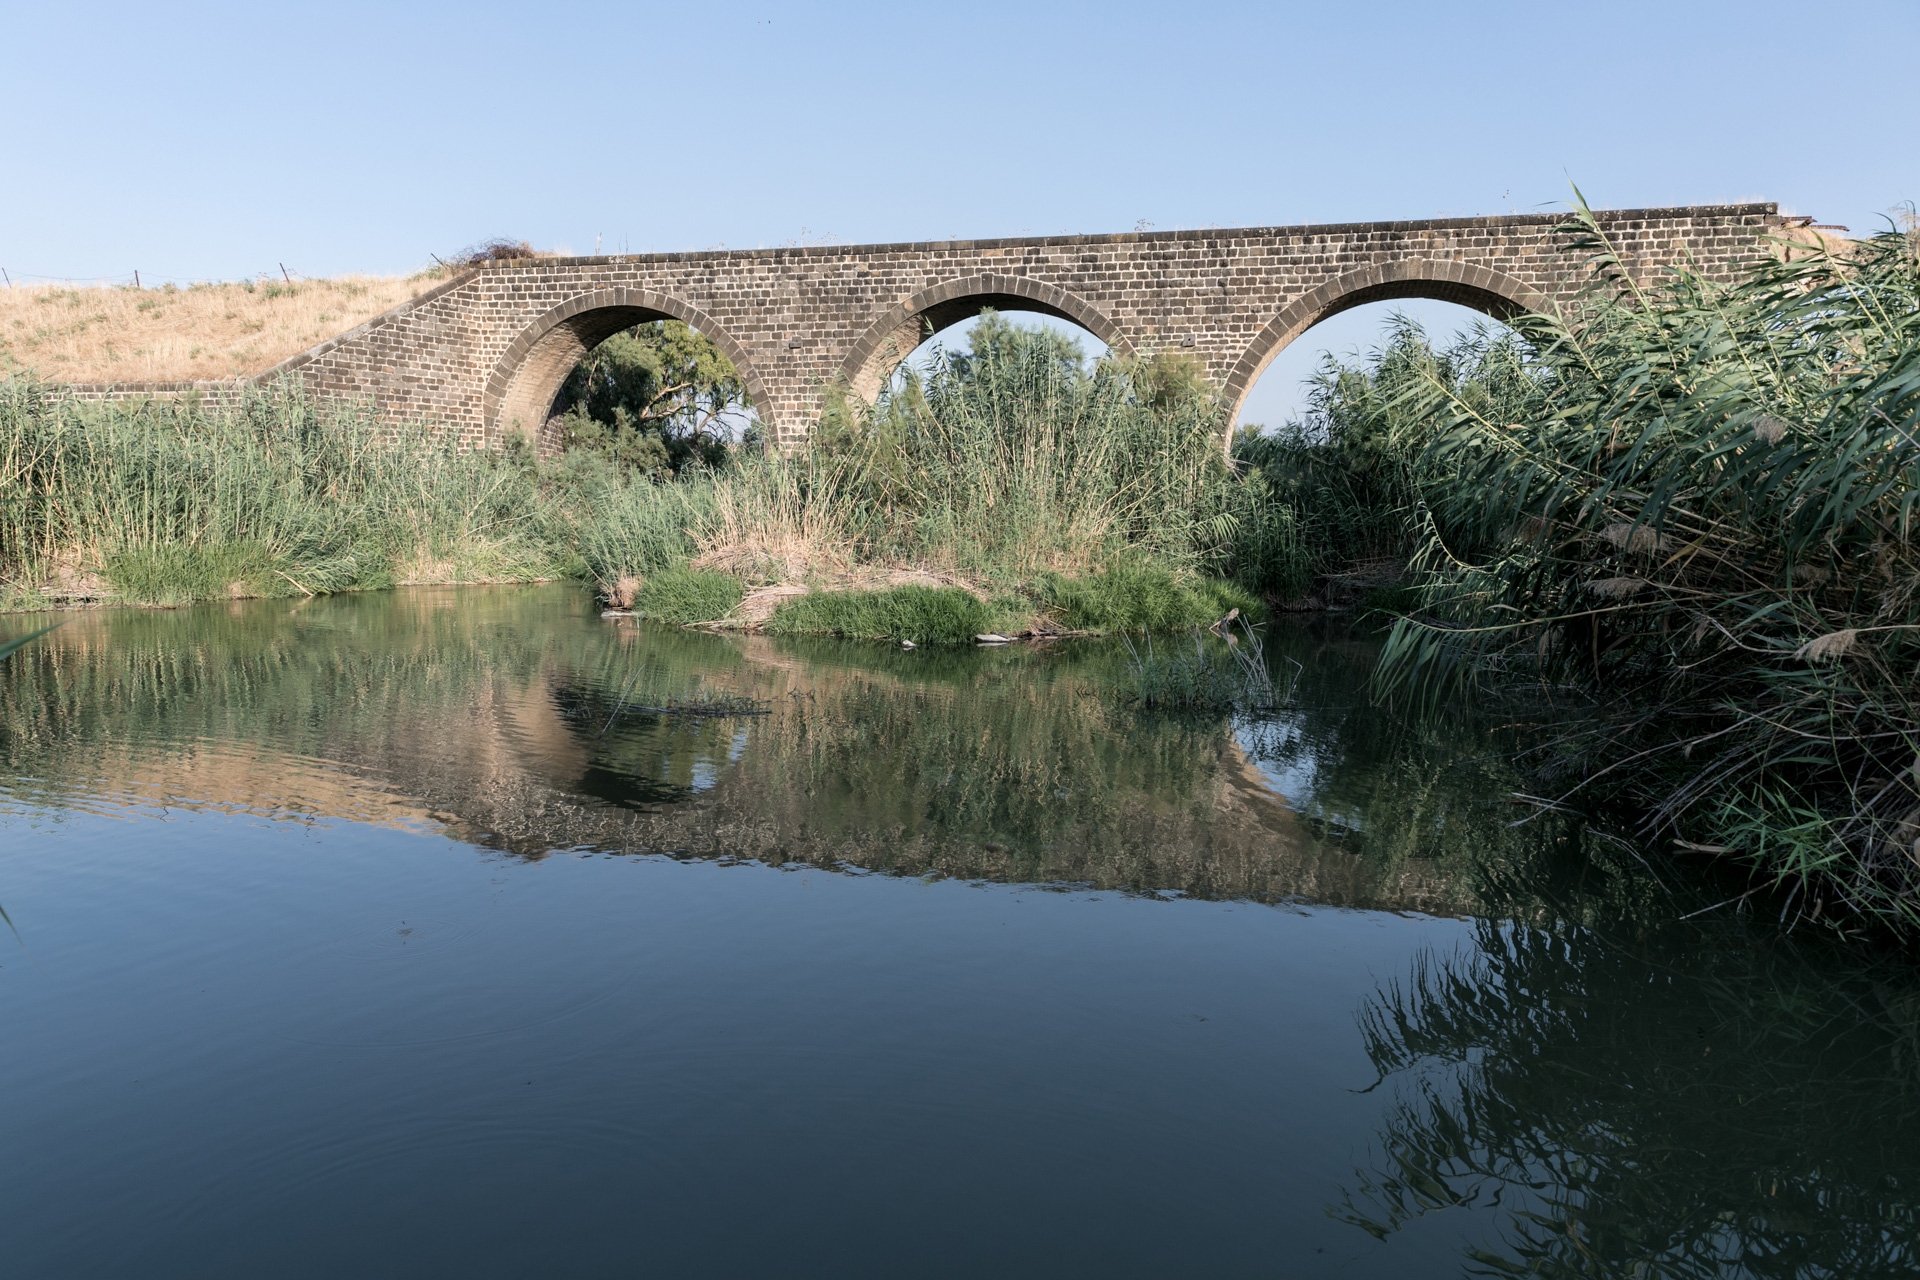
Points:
(1495, 293)
(904, 326)
(520, 393)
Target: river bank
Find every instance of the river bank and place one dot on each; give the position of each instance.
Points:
(217, 330)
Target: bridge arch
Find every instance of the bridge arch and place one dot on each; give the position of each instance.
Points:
(527, 378)
(904, 326)
(1492, 292)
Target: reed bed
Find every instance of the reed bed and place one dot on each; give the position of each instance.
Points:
(1018, 472)
(1019, 459)
(1340, 498)
(1026, 481)
(1694, 534)
(160, 503)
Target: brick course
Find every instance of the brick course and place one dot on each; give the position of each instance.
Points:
(484, 353)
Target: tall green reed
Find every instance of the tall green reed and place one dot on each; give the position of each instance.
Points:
(1697, 534)
(1011, 464)
(170, 502)
(1019, 457)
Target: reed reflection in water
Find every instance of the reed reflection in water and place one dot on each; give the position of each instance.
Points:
(1681, 1101)
(508, 718)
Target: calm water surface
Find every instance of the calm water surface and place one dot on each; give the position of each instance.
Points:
(394, 935)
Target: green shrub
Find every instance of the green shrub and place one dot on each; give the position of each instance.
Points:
(688, 595)
(657, 398)
(924, 615)
(1141, 596)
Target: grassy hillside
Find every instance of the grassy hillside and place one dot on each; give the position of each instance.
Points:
(204, 331)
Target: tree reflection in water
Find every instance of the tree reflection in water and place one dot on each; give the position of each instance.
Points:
(1675, 1102)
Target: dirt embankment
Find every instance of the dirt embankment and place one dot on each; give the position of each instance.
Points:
(202, 332)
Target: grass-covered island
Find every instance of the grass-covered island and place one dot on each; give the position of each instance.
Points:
(1669, 533)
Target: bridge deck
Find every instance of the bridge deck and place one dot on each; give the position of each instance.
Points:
(485, 353)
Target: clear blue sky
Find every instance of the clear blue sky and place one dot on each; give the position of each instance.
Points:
(198, 141)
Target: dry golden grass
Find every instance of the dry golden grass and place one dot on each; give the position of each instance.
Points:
(205, 331)
(770, 525)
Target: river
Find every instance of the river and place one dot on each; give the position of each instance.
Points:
(419, 933)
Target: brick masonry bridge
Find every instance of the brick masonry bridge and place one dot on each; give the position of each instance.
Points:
(485, 353)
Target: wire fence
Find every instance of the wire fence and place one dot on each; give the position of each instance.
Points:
(140, 278)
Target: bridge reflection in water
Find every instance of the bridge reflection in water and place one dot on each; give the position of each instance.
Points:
(496, 716)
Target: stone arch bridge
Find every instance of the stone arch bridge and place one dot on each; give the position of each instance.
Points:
(484, 354)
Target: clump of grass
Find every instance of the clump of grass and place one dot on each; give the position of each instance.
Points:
(924, 615)
(176, 573)
(1140, 596)
(1220, 597)
(687, 595)
(775, 518)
